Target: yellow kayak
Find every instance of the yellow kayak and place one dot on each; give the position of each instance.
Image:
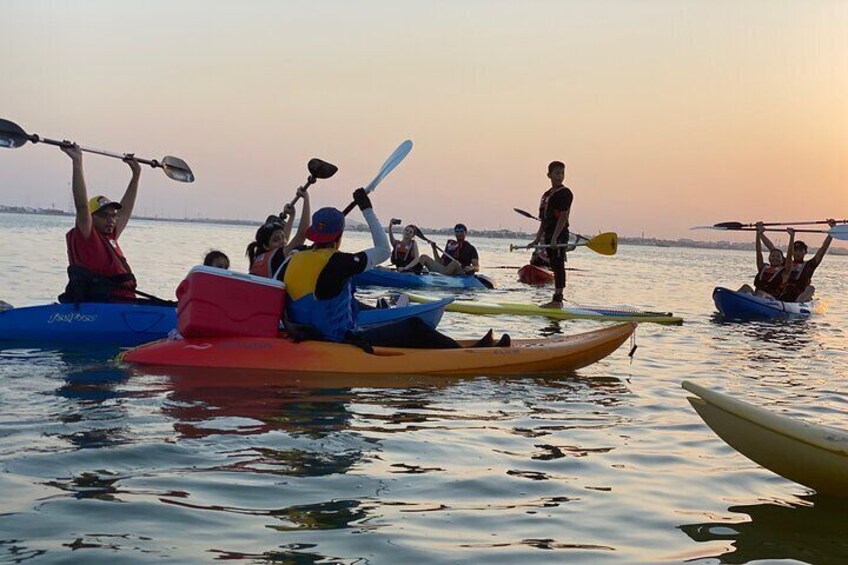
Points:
(280, 354)
(615, 314)
(812, 455)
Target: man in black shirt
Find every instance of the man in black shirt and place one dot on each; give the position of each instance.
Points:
(554, 210)
(459, 258)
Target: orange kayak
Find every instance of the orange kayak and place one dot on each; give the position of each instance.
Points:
(531, 274)
(563, 353)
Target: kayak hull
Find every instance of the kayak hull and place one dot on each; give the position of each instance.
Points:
(743, 306)
(127, 324)
(393, 279)
(812, 455)
(282, 355)
(531, 274)
(565, 313)
(113, 323)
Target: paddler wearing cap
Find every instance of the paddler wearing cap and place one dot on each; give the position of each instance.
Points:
(98, 270)
(320, 301)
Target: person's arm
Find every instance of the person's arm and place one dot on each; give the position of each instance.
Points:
(561, 224)
(291, 214)
(759, 248)
(475, 263)
(817, 258)
(392, 239)
(306, 214)
(128, 200)
(766, 241)
(787, 266)
(381, 250)
(83, 216)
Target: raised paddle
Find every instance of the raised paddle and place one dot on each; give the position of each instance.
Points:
(393, 161)
(13, 136)
(488, 283)
(836, 232)
(318, 169)
(604, 244)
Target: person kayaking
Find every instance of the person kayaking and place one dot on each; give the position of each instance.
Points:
(98, 271)
(320, 301)
(405, 256)
(217, 259)
(799, 287)
(459, 258)
(271, 246)
(771, 278)
(554, 210)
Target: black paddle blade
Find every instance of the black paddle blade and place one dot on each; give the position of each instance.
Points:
(421, 235)
(525, 214)
(321, 169)
(12, 135)
(729, 225)
(177, 169)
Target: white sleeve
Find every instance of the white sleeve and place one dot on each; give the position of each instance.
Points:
(381, 250)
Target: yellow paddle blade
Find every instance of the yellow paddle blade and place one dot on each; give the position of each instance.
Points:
(605, 243)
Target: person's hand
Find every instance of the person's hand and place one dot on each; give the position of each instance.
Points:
(302, 192)
(760, 227)
(288, 210)
(361, 199)
(134, 165)
(394, 222)
(831, 222)
(790, 231)
(72, 150)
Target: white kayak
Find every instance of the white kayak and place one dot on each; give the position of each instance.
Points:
(812, 455)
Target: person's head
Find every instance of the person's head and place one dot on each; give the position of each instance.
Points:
(327, 227)
(460, 231)
(216, 259)
(104, 214)
(556, 172)
(799, 249)
(270, 235)
(776, 257)
(409, 231)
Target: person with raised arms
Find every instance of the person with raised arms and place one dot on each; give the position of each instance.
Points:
(320, 301)
(459, 258)
(97, 268)
(405, 256)
(271, 246)
(554, 212)
(799, 287)
(771, 277)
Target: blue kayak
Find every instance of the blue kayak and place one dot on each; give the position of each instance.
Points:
(743, 306)
(126, 324)
(393, 279)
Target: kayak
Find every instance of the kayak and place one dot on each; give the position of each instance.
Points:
(110, 323)
(531, 274)
(743, 306)
(394, 279)
(280, 354)
(812, 455)
(618, 314)
(128, 324)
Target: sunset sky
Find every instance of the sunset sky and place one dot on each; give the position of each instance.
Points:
(669, 114)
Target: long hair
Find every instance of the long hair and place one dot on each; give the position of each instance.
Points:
(261, 240)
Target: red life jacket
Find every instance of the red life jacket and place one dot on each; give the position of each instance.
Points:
(770, 280)
(402, 254)
(101, 256)
(261, 265)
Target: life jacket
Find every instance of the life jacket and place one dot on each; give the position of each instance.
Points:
(799, 279)
(402, 254)
(261, 265)
(770, 280)
(110, 280)
(334, 317)
(452, 248)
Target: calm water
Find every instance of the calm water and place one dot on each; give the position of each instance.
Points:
(100, 464)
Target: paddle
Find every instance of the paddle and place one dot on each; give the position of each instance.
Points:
(527, 214)
(13, 136)
(318, 169)
(487, 282)
(837, 232)
(740, 225)
(604, 244)
(393, 161)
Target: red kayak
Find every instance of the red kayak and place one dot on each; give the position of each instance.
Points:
(531, 274)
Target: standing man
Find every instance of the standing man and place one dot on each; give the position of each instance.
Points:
(98, 270)
(554, 210)
(459, 258)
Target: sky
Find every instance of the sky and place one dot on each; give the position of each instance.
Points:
(668, 114)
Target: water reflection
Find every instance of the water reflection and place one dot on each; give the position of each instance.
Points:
(813, 530)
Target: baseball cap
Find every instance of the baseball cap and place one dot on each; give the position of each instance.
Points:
(327, 224)
(99, 202)
(460, 227)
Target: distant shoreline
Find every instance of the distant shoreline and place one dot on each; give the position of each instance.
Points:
(498, 234)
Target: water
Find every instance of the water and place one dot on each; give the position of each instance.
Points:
(101, 464)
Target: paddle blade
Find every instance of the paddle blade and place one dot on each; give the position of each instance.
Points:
(321, 169)
(729, 225)
(839, 232)
(605, 243)
(487, 282)
(393, 161)
(525, 214)
(12, 135)
(420, 235)
(177, 169)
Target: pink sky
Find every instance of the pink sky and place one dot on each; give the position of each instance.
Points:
(668, 114)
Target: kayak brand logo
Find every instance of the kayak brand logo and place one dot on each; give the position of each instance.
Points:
(71, 318)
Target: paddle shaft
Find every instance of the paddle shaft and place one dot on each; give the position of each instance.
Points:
(38, 139)
(739, 225)
(309, 182)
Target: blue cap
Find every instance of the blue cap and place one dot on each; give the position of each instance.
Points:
(327, 225)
